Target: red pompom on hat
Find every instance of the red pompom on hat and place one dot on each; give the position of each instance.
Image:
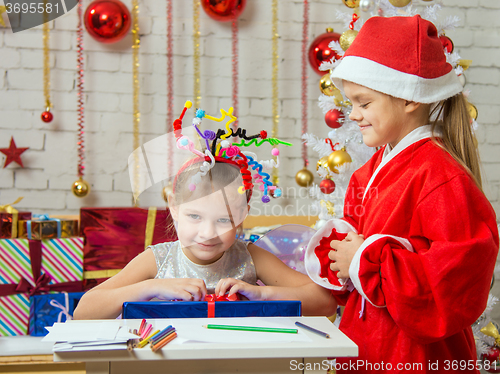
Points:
(399, 56)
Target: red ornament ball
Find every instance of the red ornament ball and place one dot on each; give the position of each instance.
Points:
(107, 21)
(47, 116)
(333, 117)
(327, 186)
(491, 360)
(223, 10)
(319, 50)
(447, 43)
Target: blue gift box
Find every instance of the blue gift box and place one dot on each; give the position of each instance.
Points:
(47, 309)
(199, 309)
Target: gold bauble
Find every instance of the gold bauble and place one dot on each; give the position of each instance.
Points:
(338, 158)
(472, 111)
(351, 3)
(400, 3)
(347, 38)
(304, 178)
(464, 63)
(167, 190)
(323, 161)
(80, 188)
(326, 85)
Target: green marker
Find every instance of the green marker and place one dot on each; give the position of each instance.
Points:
(251, 328)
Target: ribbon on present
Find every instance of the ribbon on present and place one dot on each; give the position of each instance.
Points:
(212, 298)
(8, 208)
(64, 308)
(42, 280)
(491, 330)
(43, 217)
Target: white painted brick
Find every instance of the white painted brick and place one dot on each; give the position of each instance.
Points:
(479, 75)
(485, 94)
(492, 171)
(100, 61)
(102, 102)
(126, 104)
(2, 78)
(108, 199)
(481, 56)
(30, 179)
(487, 38)
(25, 79)
(109, 82)
(66, 60)
(63, 121)
(492, 135)
(61, 40)
(11, 58)
(25, 39)
(489, 152)
(478, 17)
(23, 138)
(33, 59)
(489, 4)
(6, 176)
(22, 120)
(38, 201)
(8, 100)
(146, 63)
(461, 3)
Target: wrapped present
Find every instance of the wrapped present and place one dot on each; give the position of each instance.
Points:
(45, 310)
(44, 227)
(9, 217)
(32, 267)
(114, 236)
(210, 309)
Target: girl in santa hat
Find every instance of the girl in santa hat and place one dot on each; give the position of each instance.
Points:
(413, 257)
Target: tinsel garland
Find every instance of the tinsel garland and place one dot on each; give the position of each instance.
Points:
(80, 94)
(305, 39)
(135, 90)
(46, 61)
(196, 53)
(275, 81)
(234, 33)
(170, 86)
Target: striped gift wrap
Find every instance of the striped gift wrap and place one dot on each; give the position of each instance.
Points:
(62, 260)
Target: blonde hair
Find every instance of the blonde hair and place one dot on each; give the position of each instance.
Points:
(453, 119)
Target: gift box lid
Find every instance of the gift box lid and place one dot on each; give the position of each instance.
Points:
(199, 309)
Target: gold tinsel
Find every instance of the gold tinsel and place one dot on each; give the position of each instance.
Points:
(2, 10)
(275, 82)
(135, 89)
(196, 53)
(46, 60)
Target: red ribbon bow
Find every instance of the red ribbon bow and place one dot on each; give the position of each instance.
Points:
(42, 280)
(212, 298)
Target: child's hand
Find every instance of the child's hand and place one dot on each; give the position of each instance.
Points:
(187, 289)
(343, 253)
(232, 286)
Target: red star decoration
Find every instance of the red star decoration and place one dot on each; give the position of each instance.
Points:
(13, 153)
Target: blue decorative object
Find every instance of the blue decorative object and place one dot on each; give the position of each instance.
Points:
(45, 310)
(200, 309)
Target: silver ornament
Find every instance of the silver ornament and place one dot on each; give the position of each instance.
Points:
(366, 5)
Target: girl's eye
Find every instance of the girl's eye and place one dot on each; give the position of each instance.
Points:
(194, 216)
(364, 106)
(224, 220)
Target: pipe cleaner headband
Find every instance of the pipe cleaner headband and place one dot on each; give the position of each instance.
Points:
(219, 148)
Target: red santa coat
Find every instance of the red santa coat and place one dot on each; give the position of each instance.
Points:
(423, 274)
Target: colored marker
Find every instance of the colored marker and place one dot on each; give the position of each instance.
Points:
(251, 328)
(312, 329)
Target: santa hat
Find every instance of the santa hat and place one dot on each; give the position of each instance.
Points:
(399, 56)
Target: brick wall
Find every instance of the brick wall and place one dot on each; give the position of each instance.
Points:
(51, 161)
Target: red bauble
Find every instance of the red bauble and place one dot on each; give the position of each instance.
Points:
(491, 360)
(223, 10)
(327, 186)
(47, 116)
(447, 43)
(319, 50)
(107, 21)
(332, 118)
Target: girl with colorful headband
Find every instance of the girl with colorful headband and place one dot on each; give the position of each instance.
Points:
(208, 203)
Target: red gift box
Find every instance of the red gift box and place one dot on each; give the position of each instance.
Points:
(8, 220)
(114, 236)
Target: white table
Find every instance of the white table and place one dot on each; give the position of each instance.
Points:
(220, 358)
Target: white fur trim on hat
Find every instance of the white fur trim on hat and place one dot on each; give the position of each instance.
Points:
(395, 83)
